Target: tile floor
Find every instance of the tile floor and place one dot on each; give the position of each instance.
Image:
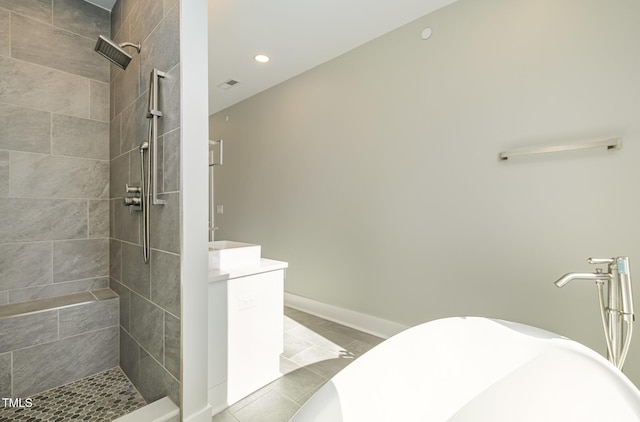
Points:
(314, 350)
(99, 398)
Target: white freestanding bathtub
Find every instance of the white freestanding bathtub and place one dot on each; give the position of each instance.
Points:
(476, 369)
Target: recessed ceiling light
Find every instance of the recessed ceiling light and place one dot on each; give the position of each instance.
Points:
(261, 58)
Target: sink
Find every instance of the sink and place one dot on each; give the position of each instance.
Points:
(229, 255)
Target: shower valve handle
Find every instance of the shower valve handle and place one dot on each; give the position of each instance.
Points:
(132, 189)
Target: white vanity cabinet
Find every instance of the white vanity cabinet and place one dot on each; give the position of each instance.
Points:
(245, 330)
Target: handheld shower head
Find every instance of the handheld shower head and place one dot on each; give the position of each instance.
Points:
(114, 52)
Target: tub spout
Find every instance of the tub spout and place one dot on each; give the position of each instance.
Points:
(582, 276)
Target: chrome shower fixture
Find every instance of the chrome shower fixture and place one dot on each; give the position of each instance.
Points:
(114, 52)
(619, 308)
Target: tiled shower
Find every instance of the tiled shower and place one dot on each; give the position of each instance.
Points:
(70, 126)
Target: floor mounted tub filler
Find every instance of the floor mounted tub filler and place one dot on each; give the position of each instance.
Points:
(476, 369)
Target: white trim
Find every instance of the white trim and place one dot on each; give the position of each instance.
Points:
(162, 410)
(363, 322)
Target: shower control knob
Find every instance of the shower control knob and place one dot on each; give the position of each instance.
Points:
(132, 201)
(132, 189)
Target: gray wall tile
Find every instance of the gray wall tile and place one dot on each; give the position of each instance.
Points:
(169, 101)
(80, 259)
(49, 46)
(27, 219)
(4, 297)
(5, 33)
(146, 14)
(135, 273)
(127, 85)
(165, 227)
(155, 381)
(49, 365)
(91, 316)
(114, 137)
(99, 218)
(147, 325)
(162, 47)
(76, 137)
(5, 375)
(28, 330)
(165, 280)
(130, 357)
(23, 129)
(119, 176)
(81, 17)
(36, 9)
(135, 125)
(126, 227)
(4, 173)
(99, 101)
(57, 289)
(134, 167)
(125, 300)
(171, 161)
(172, 344)
(25, 265)
(115, 259)
(34, 175)
(116, 18)
(35, 86)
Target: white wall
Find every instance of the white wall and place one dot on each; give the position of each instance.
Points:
(376, 175)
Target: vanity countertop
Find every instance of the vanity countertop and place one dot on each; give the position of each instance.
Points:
(265, 265)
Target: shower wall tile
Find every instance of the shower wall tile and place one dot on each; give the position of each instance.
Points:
(5, 33)
(171, 162)
(4, 173)
(5, 375)
(49, 46)
(28, 330)
(24, 129)
(127, 84)
(135, 125)
(116, 18)
(29, 219)
(155, 381)
(126, 227)
(172, 344)
(135, 273)
(169, 101)
(147, 325)
(134, 167)
(125, 300)
(165, 280)
(42, 88)
(119, 176)
(99, 218)
(130, 357)
(49, 365)
(114, 137)
(37, 175)
(146, 14)
(162, 47)
(115, 259)
(81, 17)
(165, 231)
(80, 259)
(4, 298)
(88, 317)
(25, 265)
(168, 4)
(57, 289)
(35, 9)
(83, 138)
(99, 101)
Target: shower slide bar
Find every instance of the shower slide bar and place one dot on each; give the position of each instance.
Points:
(615, 143)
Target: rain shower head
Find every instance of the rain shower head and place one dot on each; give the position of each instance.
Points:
(114, 52)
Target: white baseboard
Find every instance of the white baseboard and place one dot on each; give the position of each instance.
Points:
(367, 323)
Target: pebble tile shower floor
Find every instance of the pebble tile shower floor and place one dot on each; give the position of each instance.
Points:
(99, 398)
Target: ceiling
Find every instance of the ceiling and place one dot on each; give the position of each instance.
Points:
(296, 34)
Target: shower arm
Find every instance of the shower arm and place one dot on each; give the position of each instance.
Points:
(130, 44)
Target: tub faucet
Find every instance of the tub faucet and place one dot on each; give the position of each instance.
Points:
(619, 307)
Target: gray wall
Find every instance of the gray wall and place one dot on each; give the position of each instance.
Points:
(376, 174)
(149, 293)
